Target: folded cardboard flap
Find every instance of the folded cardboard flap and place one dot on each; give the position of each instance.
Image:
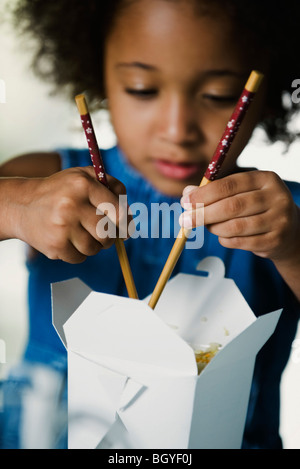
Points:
(123, 333)
(208, 309)
(66, 296)
(94, 395)
(223, 388)
(247, 343)
(160, 417)
(220, 404)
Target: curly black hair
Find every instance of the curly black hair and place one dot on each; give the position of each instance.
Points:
(70, 33)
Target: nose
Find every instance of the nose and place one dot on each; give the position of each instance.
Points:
(178, 121)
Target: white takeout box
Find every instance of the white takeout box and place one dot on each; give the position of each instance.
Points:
(132, 375)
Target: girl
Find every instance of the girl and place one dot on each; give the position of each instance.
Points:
(171, 72)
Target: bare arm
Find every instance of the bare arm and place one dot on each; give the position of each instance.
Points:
(31, 165)
(289, 267)
(54, 211)
(15, 183)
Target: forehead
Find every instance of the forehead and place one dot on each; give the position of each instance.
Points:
(159, 31)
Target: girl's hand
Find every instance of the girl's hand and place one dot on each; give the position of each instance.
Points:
(252, 210)
(58, 216)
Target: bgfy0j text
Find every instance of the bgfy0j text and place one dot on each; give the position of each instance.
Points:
(163, 458)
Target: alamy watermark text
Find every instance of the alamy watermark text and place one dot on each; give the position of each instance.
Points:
(156, 221)
(296, 93)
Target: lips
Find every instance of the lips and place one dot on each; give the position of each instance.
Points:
(178, 171)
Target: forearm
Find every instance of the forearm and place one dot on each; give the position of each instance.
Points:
(57, 215)
(290, 272)
(17, 181)
(289, 265)
(12, 199)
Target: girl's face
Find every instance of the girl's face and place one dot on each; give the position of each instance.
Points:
(173, 77)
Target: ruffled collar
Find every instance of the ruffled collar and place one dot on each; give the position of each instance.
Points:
(137, 186)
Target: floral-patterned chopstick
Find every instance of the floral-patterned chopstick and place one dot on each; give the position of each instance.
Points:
(101, 176)
(226, 140)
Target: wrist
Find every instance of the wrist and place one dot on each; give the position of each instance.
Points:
(289, 261)
(15, 195)
(288, 265)
(289, 269)
(288, 251)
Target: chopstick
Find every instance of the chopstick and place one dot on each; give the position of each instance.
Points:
(101, 176)
(226, 140)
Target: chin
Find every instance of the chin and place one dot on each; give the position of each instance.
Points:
(175, 188)
(170, 188)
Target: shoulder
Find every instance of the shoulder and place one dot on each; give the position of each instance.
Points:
(71, 157)
(39, 164)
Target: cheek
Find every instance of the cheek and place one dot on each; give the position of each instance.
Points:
(122, 121)
(251, 120)
(213, 130)
(216, 127)
(129, 135)
(133, 128)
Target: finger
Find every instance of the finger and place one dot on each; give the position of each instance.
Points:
(192, 218)
(107, 203)
(84, 242)
(67, 253)
(225, 187)
(110, 202)
(189, 189)
(238, 206)
(116, 186)
(258, 244)
(241, 227)
(97, 226)
(241, 205)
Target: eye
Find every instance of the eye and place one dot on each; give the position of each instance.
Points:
(143, 93)
(221, 99)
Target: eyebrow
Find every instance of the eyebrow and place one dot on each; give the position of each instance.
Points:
(206, 73)
(226, 72)
(141, 65)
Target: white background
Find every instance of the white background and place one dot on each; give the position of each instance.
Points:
(32, 120)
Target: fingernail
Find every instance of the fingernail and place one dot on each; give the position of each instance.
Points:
(184, 201)
(185, 220)
(188, 189)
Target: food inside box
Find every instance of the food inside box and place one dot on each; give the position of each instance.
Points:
(204, 354)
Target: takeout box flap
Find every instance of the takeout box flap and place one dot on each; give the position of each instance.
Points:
(209, 309)
(114, 406)
(66, 296)
(225, 385)
(166, 407)
(126, 336)
(246, 344)
(90, 418)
